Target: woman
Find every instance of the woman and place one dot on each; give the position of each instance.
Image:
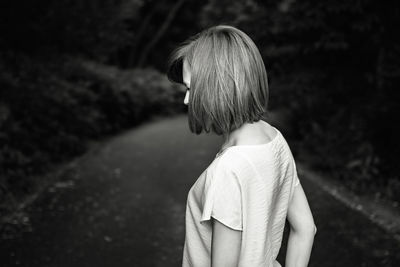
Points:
(237, 208)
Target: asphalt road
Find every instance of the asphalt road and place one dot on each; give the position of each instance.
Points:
(123, 204)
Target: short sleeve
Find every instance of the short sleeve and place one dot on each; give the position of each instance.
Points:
(222, 198)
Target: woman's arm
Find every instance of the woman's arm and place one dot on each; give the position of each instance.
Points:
(225, 247)
(302, 230)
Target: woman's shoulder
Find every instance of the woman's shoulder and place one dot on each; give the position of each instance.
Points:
(230, 158)
(222, 173)
(230, 163)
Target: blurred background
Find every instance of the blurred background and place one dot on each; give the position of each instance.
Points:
(76, 74)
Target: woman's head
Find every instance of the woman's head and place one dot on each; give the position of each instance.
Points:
(226, 76)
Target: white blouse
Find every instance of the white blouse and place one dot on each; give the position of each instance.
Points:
(247, 188)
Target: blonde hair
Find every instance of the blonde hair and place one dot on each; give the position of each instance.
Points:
(228, 85)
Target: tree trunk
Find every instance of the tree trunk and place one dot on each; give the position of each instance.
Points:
(159, 34)
(143, 27)
(380, 79)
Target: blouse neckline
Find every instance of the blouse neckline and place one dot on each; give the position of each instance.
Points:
(273, 140)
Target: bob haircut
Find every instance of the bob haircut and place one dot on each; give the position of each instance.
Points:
(228, 85)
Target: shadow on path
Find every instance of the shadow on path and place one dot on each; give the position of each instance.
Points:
(123, 205)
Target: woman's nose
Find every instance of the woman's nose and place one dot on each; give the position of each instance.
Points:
(186, 100)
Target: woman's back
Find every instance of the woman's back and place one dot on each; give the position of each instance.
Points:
(247, 188)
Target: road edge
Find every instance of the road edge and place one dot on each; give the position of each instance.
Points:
(382, 215)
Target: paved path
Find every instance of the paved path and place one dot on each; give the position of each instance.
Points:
(123, 205)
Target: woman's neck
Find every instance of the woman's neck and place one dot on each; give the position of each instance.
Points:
(248, 133)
